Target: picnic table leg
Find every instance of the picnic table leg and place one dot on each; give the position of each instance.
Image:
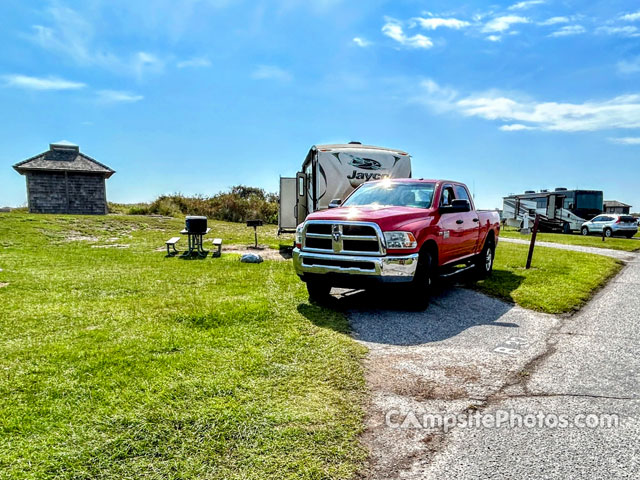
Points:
(201, 251)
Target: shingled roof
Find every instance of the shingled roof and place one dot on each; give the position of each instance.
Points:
(615, 203)
(63, 157)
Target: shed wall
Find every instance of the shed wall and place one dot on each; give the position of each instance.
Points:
(57, 192)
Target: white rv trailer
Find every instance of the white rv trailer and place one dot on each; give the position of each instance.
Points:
(562, 209)
(332, 172)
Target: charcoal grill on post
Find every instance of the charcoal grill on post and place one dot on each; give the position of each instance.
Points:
(255, 224)
(195, 229)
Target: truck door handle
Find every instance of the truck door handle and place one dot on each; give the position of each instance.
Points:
(476, 219)
(460, 221)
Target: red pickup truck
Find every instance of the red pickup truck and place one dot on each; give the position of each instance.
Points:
(399, 231)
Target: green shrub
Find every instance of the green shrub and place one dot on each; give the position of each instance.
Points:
(239, 204)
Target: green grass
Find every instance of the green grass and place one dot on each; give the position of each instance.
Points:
(615, 243)
(559, 281)
(120, 363)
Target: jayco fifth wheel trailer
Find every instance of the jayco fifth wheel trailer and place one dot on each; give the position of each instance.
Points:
(334, 171)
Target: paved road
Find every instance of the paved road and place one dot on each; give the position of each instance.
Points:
(607, 252)
(468, 353)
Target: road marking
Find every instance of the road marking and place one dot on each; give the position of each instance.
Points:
(512, 346)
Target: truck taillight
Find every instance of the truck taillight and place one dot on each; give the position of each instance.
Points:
(619, 220)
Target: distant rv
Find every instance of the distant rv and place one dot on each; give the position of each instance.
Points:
(331, 172)
(560, 210)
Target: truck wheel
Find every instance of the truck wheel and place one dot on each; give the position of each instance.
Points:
(319, 292)
(423, 280)
(484, 262)
(584, 231)
(608, 232)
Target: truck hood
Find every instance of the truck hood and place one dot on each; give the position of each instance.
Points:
(388, 218)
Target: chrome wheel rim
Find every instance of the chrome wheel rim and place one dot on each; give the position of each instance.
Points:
(608, 233)
(488, 259)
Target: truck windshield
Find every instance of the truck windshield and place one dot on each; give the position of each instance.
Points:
(386, 193)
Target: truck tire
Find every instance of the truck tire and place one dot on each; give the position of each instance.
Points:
(423, 280)
(319, 291)
(584, 231)
(484, 261)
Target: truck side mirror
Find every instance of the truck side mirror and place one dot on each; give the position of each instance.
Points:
(457, 206)
(336, 202)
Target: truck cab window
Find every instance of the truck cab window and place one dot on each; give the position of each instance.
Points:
(447, 196)
(461, 193)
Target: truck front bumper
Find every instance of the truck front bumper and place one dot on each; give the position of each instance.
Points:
(375, 268)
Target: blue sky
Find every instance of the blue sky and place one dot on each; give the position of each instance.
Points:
(194, 96)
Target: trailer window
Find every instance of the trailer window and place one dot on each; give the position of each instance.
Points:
(542, 202)
(590, 201)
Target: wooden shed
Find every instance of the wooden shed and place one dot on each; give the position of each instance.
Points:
(64, 180)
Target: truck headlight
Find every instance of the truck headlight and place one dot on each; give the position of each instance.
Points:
(299, 235)
(400, 240)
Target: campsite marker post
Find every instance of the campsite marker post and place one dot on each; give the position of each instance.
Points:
(534, 234)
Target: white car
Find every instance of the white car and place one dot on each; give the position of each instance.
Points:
(611, 224)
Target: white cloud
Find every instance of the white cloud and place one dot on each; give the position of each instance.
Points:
(554, 21)
(361, 42)
(568, 30)
(629, 66)
(626, 140)
(118, 96)
(526, 4)
(393, 29)
(500, 24)
(271, 72)
(433, 23)
(437, 97)
(626, 31)
(618, 112)
(631, 17)
(72, 37)
(513, 127)
(143, 62)
(196, 62)
(41, 83)
(494, 38)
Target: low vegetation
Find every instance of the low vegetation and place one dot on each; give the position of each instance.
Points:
(239, 204)
(559, 281)
(615, 243)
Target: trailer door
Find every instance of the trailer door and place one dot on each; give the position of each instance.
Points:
(302, 209)
(551, 207)
(287, 205)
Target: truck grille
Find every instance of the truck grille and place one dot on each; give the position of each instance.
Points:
(351, 238)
